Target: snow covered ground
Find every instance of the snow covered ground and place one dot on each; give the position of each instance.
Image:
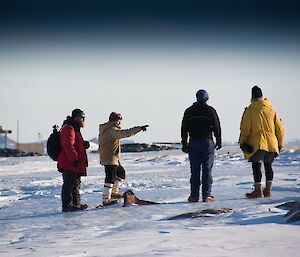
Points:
(32, 223)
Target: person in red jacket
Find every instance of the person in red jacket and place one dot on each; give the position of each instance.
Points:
(72, 161)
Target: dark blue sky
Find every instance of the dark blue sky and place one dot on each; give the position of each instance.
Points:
(177, 15)
(164, 22)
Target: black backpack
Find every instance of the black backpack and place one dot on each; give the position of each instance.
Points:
(53, 144)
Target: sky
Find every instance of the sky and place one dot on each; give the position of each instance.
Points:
(145, 60)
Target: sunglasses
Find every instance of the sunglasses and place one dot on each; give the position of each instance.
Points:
(82, 117)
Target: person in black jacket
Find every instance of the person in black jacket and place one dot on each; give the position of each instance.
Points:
(200, 122)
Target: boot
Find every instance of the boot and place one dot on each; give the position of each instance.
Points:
(193, 199)
(71, 208)
(116, 189)
(268, 190)
(83, 206)
(256, 193)
(107, 191)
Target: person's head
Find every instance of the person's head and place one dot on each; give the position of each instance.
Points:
(256, 93)
(202, 96)
(115, 117)
(78, 117)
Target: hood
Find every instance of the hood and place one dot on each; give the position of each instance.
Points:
(107, 125)
(70, 121)
(261, 104)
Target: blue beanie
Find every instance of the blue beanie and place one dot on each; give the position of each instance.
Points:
(202, 96)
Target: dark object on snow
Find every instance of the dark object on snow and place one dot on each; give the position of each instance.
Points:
(294, 210)
(200, 214)
(53, 144)
(246, 148)
(136, 147)
(130, 198)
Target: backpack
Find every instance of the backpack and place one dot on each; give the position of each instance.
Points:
(53, 144)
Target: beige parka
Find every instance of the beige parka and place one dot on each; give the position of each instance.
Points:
(109, 141)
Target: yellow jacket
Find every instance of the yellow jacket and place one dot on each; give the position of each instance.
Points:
(261, 128)
(109, 141)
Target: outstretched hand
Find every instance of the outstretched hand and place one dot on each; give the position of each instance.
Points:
(144, 128)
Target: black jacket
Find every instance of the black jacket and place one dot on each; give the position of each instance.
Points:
(199, 122)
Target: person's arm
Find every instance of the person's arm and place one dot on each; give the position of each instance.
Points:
(184, 133)
(279, 131)
(245, 127)
(217, 129)
(67, 140)
(123, 133)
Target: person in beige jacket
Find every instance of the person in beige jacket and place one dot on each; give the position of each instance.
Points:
(110, 134)
(261, 139)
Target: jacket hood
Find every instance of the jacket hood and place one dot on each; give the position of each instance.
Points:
(105, 126)
(70, 121)
(261, 103)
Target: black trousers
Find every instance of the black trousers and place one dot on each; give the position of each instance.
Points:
(70, 188)
(113, 171)
(257, 175)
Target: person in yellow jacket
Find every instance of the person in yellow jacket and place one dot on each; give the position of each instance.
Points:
(261, 139)
(110, 134)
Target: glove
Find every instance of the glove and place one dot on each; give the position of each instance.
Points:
(218, 146)
(185, 148)
(86, 144)
(75, 164)
(246, 148)
(144, 128)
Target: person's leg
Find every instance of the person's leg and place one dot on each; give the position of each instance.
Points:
(69, 181)
(269, 179)
(256, 168)
(110, 172)
(75, 191)
(119, 178)
(257, 192)
(195, 164)
(207, 158)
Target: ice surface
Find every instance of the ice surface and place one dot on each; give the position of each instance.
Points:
(32, 223)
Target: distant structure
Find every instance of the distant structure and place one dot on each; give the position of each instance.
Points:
(172, 145)
(36, 148)
(4, 131)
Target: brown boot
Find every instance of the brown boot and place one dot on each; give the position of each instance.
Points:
(193, 199)
(256, 193)
(268, 190)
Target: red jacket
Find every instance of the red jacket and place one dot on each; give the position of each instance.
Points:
(72, 149)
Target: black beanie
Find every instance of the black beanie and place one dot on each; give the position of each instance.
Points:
(115, 116)
(256, 93)
(77, 113)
